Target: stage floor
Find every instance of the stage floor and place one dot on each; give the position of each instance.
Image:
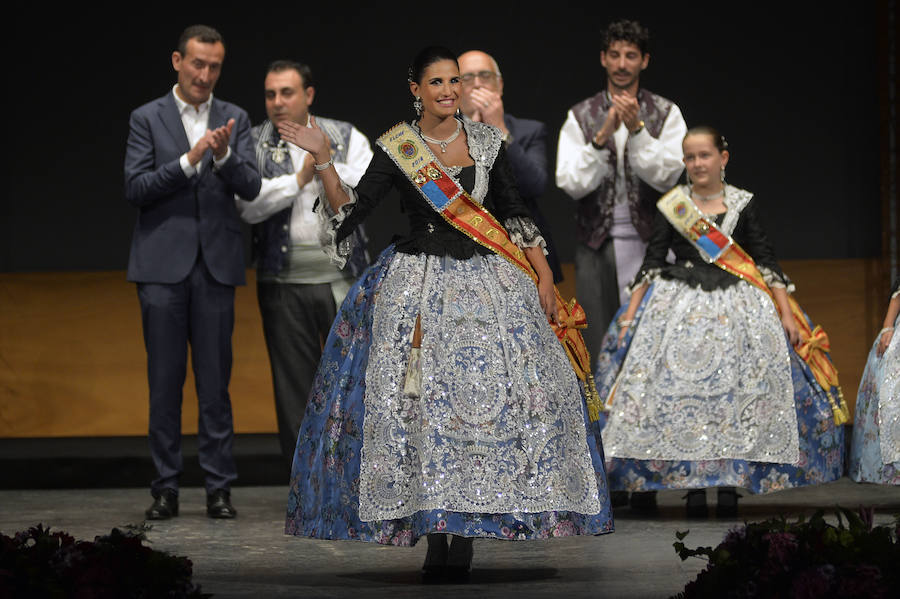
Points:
(251, 557)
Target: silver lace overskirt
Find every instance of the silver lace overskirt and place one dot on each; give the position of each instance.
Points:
(707, 377)
(889, 401)
(499, 426)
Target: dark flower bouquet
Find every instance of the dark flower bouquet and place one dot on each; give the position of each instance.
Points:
(38, 563)
(803, 559)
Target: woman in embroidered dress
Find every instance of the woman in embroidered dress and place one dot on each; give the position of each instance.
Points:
(875, 446)
(703, 386)
(494, 440)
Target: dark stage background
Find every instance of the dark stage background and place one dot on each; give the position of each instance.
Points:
(793, 87)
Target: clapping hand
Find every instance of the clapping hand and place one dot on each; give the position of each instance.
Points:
(219, 138)
(609, 127)
(215, 140)
(488, 107)
(312, 139)
(627, 108)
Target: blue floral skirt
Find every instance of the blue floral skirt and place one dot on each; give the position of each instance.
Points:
(821, 442)
(873, 451)
(327, 482)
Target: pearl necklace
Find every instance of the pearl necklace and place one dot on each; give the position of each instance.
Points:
(444, 142)
(708, 198)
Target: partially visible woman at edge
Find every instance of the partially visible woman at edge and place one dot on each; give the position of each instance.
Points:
(444, 405)
(875, 446)
(703, 384)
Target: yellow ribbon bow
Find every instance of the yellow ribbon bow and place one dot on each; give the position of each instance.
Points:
(817, 341)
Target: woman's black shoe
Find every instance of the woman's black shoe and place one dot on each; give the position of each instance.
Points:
(726, 503)
(618, 498)
(459, 559)
(696, 504)
(434, 570)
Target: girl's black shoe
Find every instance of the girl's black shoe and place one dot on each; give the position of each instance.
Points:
(696, 504)
(726, 503)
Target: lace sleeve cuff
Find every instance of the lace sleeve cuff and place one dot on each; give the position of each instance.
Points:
(329, 223)
(643, 276)
(524, 233)
(775, 280)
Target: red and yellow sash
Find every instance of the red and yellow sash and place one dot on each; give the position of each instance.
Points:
(407, 149)
(719, 248)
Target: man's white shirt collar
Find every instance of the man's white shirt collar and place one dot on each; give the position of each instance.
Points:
(182, 105)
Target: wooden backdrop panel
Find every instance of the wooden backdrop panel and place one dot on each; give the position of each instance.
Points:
(72, 359)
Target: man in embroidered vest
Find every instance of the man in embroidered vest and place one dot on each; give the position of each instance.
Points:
(524, 140)
(297, 286)
(188, 155)
(618, 152)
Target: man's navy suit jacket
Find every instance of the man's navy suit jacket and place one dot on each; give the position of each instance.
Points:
(528, 156)
(179, 216)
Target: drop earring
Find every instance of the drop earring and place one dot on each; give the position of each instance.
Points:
(417, 105)
(722, 174)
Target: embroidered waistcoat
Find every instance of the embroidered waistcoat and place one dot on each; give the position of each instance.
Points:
(595, 211)
(272, 237)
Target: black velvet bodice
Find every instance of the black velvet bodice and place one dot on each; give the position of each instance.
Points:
(692, 268)
(429, 232)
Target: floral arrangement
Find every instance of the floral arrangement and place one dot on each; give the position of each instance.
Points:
(38, 563)
(803, 559)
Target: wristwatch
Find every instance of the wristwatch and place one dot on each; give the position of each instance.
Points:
(638, 129)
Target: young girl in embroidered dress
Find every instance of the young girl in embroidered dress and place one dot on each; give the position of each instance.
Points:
(704, 386)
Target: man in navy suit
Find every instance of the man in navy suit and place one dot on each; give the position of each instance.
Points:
(188, 155)
(525, 139)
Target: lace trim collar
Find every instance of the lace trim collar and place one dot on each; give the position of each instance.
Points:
(735, 200)
(484, 143)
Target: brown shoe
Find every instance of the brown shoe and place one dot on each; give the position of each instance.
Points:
(218, 504)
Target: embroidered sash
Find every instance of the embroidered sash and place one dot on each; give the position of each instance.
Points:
(415, 160)
(719, 248)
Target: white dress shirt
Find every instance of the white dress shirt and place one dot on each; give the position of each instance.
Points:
(196, 123)
(658, 162)
(277, 193)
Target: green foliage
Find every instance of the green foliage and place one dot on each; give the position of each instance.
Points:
(805, 558)
(38, 563)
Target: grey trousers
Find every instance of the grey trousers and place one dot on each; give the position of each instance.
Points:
(597, 290)
(296, 320)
